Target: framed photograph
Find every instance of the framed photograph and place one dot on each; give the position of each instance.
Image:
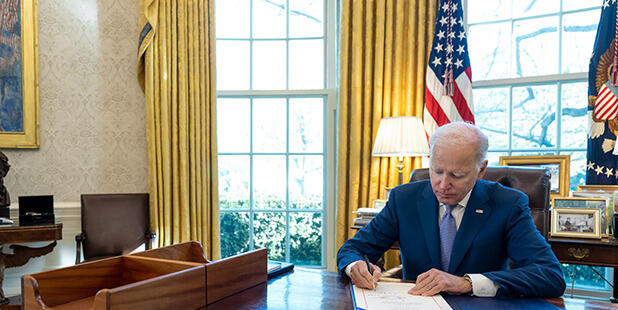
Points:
(603, 190)
(558, 166)
(576, 223)
(19, 99)
(379, 203)
(586, 200)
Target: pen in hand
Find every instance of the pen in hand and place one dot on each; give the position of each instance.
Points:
(373, 286)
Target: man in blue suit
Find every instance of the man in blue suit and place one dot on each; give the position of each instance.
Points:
(456, 232)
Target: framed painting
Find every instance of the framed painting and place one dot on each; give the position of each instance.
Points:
(584, 200)
(603, 191)
(558, 166)
(19, 91)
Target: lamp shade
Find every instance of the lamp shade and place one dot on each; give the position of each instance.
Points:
(401, 136)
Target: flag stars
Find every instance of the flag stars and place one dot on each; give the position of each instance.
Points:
(449, 61)
(461, 22)
(443, 21)
(452, 34)
(461, 49)
(449, 48)
(454, 7)
(437, 61)
(606, 4)
(445, 7)
(458, 63)
(440, 34)
(609, 172)
(462, 35)
(591, 165)
(453, 21)
(598, 170)
(438, 47)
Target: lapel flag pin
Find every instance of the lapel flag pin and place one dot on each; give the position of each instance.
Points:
(479, 211)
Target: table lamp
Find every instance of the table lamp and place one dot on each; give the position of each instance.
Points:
(401, 136)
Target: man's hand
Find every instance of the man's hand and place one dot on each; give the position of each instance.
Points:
(435, 281)
(360, 275)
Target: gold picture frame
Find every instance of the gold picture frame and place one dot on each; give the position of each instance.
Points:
(576, 223)
(610, 189)
(27, 136)
(558, 166)
(587, 200)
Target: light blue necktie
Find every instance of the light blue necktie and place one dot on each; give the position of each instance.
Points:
(448, 230)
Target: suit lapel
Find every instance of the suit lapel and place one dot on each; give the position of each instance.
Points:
(476, 214)
(428, 216)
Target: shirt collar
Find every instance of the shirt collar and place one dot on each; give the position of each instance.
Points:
(464, 202)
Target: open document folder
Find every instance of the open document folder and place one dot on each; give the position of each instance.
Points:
(394, 295)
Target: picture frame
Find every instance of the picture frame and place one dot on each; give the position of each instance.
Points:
(587, 200)
(609, 189)
(558, 166)
(19, 124)
(576, 223)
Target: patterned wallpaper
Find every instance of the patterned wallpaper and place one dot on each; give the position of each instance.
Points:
(92, 112)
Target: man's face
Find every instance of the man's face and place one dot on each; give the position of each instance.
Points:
(453, 171)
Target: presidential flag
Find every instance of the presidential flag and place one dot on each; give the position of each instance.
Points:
(448, 90)
(602, 165)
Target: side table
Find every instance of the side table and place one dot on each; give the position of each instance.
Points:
(588, 252)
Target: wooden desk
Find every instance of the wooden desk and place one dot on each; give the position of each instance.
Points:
(321, 289)
(21, 254)
(588, 252)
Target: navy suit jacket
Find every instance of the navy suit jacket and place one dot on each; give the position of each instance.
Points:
(496, 226)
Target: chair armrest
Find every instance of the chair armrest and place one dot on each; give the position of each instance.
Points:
(78, 247)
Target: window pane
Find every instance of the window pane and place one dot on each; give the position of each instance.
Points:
(269, 233)
(306, 181)
(577, 169)
(268, 18)
(535, 7)
(269, 65)
(233, 119)
(490, 51)
(491, 114)
(578, 32)
(306, 64)
(493, 158)
(585, 277)
(534, 114)
(535, 42)
(568, 5)
(234, 181)
(306, 238)
(269, 125)
(574, 115)
(232, 65)
(232, 19)
(235, 233)
(306, 18)
(306, 125)
(484, 11)
(269, 181)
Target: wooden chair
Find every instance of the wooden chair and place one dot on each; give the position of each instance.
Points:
(112, 225)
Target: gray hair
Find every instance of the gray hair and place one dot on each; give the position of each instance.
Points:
(461, 133)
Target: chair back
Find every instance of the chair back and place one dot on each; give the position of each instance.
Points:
(114, 224)
(534, 182)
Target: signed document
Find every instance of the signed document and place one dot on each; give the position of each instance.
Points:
(393, 296)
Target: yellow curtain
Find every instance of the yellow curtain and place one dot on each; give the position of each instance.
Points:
(384, 50)
(177, 73)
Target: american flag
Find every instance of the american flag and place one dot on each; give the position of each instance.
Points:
(448, 90)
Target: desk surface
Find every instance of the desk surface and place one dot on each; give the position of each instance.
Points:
(21, 234)
(320, 289)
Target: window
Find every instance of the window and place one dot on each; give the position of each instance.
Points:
(273, 100)
(530, 86)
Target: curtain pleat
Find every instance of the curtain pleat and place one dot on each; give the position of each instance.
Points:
(383, 58)
(176, 71)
